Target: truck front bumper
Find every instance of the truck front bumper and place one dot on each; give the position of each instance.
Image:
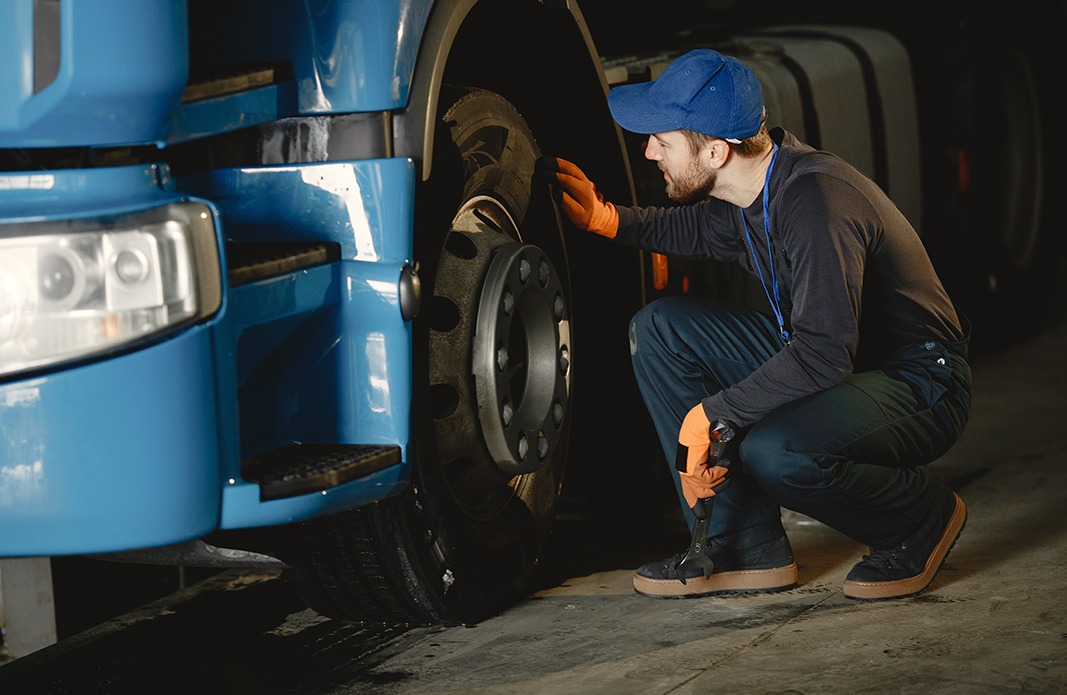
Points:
(147, 447)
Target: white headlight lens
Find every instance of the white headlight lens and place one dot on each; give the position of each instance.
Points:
(71, 289)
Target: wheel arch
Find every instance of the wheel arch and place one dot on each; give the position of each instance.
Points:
(545, 63)
(547, 66)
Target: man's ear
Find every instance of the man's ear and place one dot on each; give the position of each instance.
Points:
(718, 151)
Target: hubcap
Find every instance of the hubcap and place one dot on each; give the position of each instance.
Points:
(521, 358)
(498, 314)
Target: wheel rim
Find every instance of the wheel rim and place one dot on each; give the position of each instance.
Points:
(498, 315)
(521, 358)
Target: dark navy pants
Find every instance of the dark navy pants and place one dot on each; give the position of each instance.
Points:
(851, 457)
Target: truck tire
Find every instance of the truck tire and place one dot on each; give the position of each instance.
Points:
(491, 378)
(991, 238)
(1007, 199)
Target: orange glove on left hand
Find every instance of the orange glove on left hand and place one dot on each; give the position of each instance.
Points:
(699, 475)
(582, 203)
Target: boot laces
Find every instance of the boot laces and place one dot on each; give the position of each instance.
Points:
(884, 559)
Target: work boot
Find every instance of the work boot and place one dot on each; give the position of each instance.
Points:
(908, 568)
(757, 559)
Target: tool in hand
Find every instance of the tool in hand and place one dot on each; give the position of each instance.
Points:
(720, 434)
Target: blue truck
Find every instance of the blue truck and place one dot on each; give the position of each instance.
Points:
(287, 266)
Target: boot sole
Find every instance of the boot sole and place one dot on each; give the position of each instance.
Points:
(730, 582)
(912, 586)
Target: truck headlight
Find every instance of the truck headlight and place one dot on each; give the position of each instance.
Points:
(73, 288)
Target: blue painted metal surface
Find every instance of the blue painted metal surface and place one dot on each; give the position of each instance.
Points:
(322, 355)
(347, 55)
(366, 206)
(341, 373)
(123, 65)
(30, 196)
(144, 447)
(118, 454)
(121, 452)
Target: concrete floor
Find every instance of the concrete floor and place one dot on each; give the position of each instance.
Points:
(993, 621)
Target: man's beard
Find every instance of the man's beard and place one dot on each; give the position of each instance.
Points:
(692, 186)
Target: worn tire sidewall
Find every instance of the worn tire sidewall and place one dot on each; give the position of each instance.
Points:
(475, 566)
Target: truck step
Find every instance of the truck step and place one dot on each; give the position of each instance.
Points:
(300, 469)
(207, 81)
(250, 262)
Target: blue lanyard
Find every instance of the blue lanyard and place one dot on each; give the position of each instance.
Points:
(775, 300)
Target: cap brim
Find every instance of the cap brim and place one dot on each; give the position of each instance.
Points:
(632, 108)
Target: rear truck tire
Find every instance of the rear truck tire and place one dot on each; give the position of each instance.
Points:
(492, 375)
(990, 236)
(1008, 195)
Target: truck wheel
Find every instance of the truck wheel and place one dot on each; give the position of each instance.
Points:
(491, 378)
(1008, 198)
(990, 237)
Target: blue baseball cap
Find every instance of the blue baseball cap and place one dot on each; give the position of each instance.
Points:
(702, 91)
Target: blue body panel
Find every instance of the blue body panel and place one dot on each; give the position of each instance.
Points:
(322, 355)
(144, 448)
(347, 55)
(121, 453)
(328, 369)
(351, 203)
(122, 67)
(32, 196)
(125, 63)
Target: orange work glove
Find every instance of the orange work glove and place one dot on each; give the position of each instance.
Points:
(699, 457)
(582, 203)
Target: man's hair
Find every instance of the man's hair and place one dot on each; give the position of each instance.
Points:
(748, 147)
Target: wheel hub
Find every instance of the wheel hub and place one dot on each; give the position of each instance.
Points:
(521, 358)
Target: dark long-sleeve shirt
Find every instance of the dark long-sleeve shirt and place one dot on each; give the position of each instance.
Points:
(855, 282)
